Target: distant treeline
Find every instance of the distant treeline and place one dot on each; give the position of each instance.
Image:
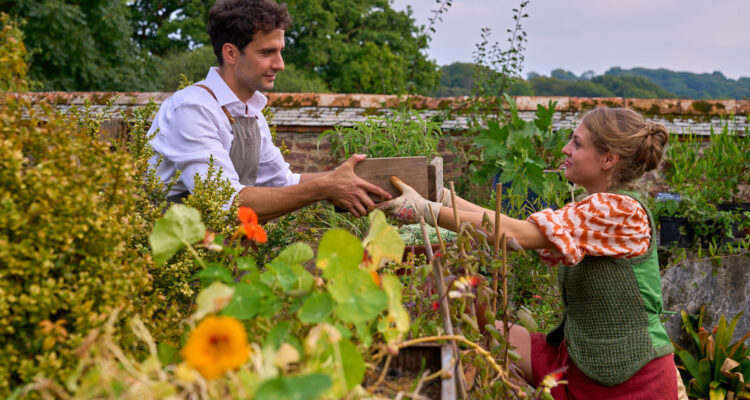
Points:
(643, 83)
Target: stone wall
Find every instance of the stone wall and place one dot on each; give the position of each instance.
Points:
(722, 287)
(301, 117)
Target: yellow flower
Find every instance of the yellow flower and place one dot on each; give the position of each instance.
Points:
(216, 345)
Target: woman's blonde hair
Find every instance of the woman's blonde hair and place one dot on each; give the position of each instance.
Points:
(639, 142)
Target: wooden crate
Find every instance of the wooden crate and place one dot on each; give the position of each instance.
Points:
(414, 171)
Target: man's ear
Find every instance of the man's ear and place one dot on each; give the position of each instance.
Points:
(230, 53)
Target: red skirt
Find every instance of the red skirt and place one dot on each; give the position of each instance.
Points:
(657, 380)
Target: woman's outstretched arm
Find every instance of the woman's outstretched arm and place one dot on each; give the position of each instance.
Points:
(527, 234)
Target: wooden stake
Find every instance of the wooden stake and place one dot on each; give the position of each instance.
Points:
(455, 207)
(498, 202)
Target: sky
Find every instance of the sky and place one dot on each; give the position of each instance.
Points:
(579, 35)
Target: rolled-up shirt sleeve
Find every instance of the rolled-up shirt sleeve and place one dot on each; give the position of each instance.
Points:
(192, 141)
(603, 224)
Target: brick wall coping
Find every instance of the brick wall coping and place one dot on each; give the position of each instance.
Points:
(370, 101)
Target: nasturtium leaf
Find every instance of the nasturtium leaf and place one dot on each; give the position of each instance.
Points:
(250, 276)
(303, 280)
(179, 227)
(382, 242)
(269, 302)
(357, 297)
(301, 387)
(279, 272)
(316, 308)
(246, 264)
(338, 251)
(244, 304)
(214, 273)
(396, 323)
(298, 253)
(364, 333)
(277, 334)
(353, 363)
(212, 299)
(168, 354)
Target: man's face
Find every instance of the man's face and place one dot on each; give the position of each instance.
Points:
(260, 60)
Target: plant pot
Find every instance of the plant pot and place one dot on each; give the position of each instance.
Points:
(739, 209)
(418, 251)
(411, 360)
(532, 203)
(671, 234)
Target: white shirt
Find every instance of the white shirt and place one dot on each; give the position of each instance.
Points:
(192, 127)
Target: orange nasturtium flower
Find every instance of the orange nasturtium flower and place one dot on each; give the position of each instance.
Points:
(250, 226)
(217, 345)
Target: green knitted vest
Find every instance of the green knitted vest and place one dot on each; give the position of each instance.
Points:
(611, 323)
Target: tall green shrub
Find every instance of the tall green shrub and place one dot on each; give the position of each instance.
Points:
(66, 221)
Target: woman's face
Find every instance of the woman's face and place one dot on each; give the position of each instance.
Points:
(585, 165)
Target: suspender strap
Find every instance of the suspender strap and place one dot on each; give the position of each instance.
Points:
(231, 119)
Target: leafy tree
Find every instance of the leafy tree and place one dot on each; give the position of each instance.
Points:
(544, 86)
(194, 64)
(559, 73)
(455, 80)
(632, 86)
(691, 85)
(169, 26)
(360, 46)
(81, 45)
(587, 75)
(292, 80)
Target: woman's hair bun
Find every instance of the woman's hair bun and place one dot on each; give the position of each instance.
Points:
(657, 136)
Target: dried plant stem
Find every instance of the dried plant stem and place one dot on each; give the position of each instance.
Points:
(505, 298)
(455, 207)
(426, 238)
(382, 373)
(498, 199)
(437, 228)
(437, 272)
(501, 373)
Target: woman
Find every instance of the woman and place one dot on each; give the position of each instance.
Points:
(611, 342)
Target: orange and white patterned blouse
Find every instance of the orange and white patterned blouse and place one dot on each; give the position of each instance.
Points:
(602, 224)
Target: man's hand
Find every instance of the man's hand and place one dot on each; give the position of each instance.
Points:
(350, 192)
(408, 207)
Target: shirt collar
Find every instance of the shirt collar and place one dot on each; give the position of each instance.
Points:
(225, 96)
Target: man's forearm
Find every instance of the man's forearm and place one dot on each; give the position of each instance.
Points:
(270, 202)
(309, 176)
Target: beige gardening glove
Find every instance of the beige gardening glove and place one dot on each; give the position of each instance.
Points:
(408, 207)
(444, 197)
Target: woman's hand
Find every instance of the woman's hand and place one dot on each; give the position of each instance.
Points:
(408, 207)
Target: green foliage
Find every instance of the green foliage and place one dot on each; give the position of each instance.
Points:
(362, 46)
(13, 56)
(688, 85)
(496, 67)
(194, 64)
(632, 86)
(170, 26)
(72, 49)
(294, 80)
(282, 294)
(720, 368)
(455, 80)
(708, 175)
(402, 133)
(66, 224)
(213, 197)
(520, 151)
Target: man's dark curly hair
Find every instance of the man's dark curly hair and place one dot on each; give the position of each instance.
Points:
(236, 21)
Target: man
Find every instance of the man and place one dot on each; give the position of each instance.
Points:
(221, 117)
